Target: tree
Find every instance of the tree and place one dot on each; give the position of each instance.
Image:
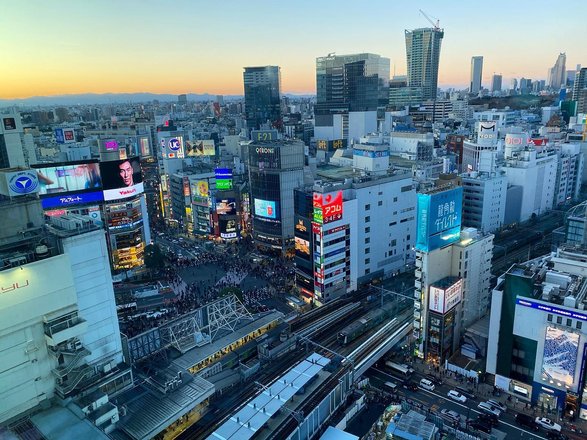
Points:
(154, 259)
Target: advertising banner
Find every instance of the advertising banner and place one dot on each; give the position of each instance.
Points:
(443, 300)
(66, 200)
(67, 178)
(227, 228)
(121, 178)
(264, 135)
(111, 145)
(560, 355)
(19, 183)
(327, 207)
(172, 147)
(266, 208)
(200, 148)
(302, 246)
(439, 219)
(9, 124)
(223, 179)
(226, 206)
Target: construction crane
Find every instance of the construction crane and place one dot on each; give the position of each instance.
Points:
(427, 17)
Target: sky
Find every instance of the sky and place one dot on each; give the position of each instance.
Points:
(201, 46)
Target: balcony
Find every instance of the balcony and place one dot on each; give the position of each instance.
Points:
(75, 376)
(63, 328)
(418, 273)
(419, 263)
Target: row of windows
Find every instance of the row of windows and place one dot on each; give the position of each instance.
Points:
(569, 322)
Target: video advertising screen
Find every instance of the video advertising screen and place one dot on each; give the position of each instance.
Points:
(66, 178)
(226, 206)
(266, 208)
(121, 178)
(559, 360)
(200, 148)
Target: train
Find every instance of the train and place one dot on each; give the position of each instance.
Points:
(365, 323)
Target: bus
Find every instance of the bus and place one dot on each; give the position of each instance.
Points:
(390, 386)
(400, 370)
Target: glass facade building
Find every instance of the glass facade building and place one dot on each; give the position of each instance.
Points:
(262, 96)
(353, 83)
(423, 55)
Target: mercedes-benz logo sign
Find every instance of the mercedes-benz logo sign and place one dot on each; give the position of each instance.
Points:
(174, 144)
(23, 183)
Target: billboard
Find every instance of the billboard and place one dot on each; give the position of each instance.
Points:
(560, 355)
(19, 183)
(172, 147)
(331, 145)
(144, 146)
(67, 178)
(200, 148)
(201, 188)
(64, 135)
(443, 300)
(264, 135)
(439, 219)
(226, 206)
(266, 208)
(302, 246)
(121, 178)
(486, 132)
(111, 145)
(223, 178)
(327, 207)
(227, 228)
(9, 123)
(370, 154)
(66, 200)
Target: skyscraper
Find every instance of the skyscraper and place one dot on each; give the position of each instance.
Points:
(557, 74)
(262, 96)
(496, 83)
(357, 82)
(423, 55)
(476, 74)
(580, 82)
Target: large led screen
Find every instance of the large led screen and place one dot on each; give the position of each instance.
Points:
(226, 206)
(560, 355)
(200, 148)
(121, 178)
(67, 178)
(266, 208)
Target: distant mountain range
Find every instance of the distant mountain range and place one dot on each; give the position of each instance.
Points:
(112, 98)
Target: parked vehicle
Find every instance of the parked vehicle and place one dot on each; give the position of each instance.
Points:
(454, 395)
(526, 421)
(468, 394)
(435, 380)
(489, 418)
(548, 424)
(410, 385)
(498, 405)
(426, 385)
(487, 408)
(481, 425)
(452, 415)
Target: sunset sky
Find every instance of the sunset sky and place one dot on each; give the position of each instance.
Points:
(99, 46)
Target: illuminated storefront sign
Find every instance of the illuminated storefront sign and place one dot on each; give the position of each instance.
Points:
(439, 219)
(327, 207)
(65, 200)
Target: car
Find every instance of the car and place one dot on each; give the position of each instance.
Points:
(548, 424)
(487, 408)
(454, 395)
(526, 421)
(481, 425)
(409, 385)
(500, 406)
(466, 393)
(453, 415)
(426, 385)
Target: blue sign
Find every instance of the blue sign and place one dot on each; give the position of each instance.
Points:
(66, 200)
(23, 182)
(59, 136)
(371, 154)
(223, 173)
(174, 144)
(552, 309)
(439, 219)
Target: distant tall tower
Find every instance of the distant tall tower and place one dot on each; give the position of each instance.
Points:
(496, 83)
(423, 55)
(557, 74)
(262, 96)
(476, 74)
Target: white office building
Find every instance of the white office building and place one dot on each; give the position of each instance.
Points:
(569, 171)
(484, 198)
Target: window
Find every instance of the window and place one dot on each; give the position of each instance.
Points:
(579, 325)
(549, 318)
(367, 230)
(393, 242)
(367, 240)
(367, 271)
(367, 250)
(559, 320)
(569, 322)
(367, 219)
(367, 207)
(407, 247)
(408, 237)
(380, 203)
(395, 199)
(367, 260)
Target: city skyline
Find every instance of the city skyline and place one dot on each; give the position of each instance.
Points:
(203, 48)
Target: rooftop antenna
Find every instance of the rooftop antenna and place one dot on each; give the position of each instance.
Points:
(429, 18)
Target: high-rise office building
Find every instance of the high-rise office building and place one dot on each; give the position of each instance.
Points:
(580, 82)
(496, 83)
(557, 73)
(262, 96)
(476, 74)
(423, 55)
(11, 145)
(351, 83)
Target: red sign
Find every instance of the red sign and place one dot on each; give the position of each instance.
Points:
(316, 228)
(539, 142)
(331, 205)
